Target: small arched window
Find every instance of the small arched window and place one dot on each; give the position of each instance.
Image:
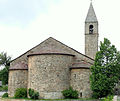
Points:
(91, 29)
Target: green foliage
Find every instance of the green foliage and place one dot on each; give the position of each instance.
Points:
(108, 98)
(105, 71)
(4, 59)
(5, 62)
(70, 93)
(4, 88)
(33, 94)
(30, 92)
(5, 95)
(21, 93)
(4, 75)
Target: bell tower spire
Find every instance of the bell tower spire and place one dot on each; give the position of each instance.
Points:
(91, 16)
(91, 33)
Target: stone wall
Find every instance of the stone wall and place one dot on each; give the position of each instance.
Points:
(49, 61)
(49, 74)
(91, 40)
(17, 79)
(54, 43)
(80, 82)
(91, 45)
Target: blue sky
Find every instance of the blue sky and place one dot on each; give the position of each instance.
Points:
(26, 23)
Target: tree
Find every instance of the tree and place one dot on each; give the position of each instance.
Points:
(5, 62)
(4, 59)
(105, 70)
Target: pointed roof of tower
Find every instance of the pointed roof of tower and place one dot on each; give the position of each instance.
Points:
(91, 16)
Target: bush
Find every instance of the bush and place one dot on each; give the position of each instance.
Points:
(70, 93)
(4, 88)
(108, 98)
(5, 95)
(33, 94)
(21, 93)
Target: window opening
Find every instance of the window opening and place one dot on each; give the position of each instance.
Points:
(91, 29)
(80, 94)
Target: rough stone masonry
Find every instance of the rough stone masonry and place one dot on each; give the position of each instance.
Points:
(52, 66)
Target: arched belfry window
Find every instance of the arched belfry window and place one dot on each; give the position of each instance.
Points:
(91, 29)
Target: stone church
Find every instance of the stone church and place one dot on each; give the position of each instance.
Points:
(52, 66)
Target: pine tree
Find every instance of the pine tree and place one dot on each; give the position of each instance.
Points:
(106, 70)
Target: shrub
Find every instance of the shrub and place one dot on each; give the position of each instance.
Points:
(21, 93)
(108, 98)
(5, 95)
(1, 89)
(33, 94)
(4, 88)
(30, 92)
(70, 93)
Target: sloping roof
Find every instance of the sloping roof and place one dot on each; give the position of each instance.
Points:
(42, 49)
(50, 49)
(81, 64)
(19, 66)
(91, 16)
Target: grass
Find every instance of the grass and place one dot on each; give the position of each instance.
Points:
(81, 99)
(108, 98)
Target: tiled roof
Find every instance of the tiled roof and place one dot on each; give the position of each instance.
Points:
(55, 41)
(19, 66)
(81, 64)
(49, 49)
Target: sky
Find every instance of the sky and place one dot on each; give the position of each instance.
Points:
(26, 23)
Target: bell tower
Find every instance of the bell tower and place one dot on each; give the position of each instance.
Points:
(91, 33)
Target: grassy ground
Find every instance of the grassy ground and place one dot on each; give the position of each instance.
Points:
(109, 98)
(89, 99)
